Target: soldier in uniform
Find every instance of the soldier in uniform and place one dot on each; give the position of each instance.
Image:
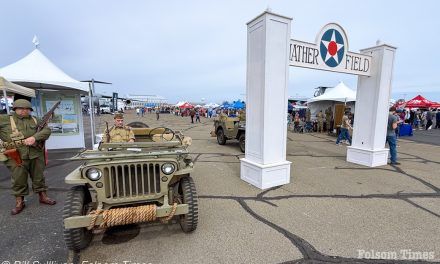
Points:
(18, 131)
(328, 118)
(119, 132)
(320, 117)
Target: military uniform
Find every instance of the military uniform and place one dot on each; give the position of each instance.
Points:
(119, 134)
(328, 119)
(320, 121)
(14, 128)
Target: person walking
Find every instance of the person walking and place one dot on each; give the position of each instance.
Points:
(18, 132)
(192, 113)
(137, 111)
(391, 136)
(437, 118)
(429, 117)
(157, 113)
(198, 116)
(343, 133)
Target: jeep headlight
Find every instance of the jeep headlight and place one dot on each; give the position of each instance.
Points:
(168, 168)
(93, 174)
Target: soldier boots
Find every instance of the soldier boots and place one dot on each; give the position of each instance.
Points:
(19, 205)
(44, 199)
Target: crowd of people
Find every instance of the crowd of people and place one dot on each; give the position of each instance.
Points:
(419, 118)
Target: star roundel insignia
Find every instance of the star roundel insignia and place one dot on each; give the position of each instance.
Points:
(332, 47)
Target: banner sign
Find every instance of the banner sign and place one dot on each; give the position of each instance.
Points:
(114, 102)
(329, 53)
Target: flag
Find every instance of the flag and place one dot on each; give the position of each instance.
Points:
(35, 41)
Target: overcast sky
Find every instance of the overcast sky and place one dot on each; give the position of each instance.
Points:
(189, 50)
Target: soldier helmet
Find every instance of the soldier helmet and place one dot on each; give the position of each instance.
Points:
(22, 103)
(119, 116)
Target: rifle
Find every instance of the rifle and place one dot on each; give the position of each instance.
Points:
(43, 123)
(107, 133)
(15, 155)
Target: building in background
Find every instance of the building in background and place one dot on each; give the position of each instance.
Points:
(145, 100)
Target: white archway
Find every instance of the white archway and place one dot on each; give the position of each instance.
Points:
(270, 51)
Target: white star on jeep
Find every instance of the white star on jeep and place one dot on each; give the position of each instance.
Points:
(332, 48)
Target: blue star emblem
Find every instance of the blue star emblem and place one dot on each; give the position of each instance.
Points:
(332, 48)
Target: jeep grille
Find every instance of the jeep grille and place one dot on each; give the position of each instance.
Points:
(131, 180)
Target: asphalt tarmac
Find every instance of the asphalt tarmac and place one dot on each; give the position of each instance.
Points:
(332, 211)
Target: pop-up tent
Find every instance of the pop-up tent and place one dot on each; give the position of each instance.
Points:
(238, 104)
(51, 84)
(186, 105)
(11, 88)
(340, 94)
(419, 102)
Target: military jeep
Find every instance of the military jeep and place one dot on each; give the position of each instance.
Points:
(227, 128)
(129, 183)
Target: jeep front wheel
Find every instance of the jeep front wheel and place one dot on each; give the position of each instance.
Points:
(76, 204)
(188, 222)
(221, 138)
(242, 141)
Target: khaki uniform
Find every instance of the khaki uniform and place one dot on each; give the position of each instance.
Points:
(33, 157)
(320, 121)
(119, 134)
(328, 118)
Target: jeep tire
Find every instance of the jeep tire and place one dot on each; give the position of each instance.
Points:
(242, 141)
(221, 138)
(188, 222)
(76, 205)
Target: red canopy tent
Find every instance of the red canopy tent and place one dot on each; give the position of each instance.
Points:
(419, 102)
(186, 105)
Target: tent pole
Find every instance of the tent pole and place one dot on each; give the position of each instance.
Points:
(6, 100)
(92, 110)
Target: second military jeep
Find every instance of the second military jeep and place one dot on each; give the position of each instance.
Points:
(226, 128)
(128, 183)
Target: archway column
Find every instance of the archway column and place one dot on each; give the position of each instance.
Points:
(371, 112)
(265, 163)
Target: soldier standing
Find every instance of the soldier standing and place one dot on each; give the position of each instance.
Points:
(328, 118)
(18, 132)
(320, 117)
(119, 132)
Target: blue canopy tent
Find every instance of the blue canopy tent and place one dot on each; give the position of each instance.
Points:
(238, 105)
(226, 105)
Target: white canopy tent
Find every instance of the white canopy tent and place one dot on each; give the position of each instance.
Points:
(36, 71)
(51, 84)
(338, 94)
(211, 105)
(9, 87)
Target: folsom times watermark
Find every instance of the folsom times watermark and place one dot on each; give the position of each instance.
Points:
(403, 254)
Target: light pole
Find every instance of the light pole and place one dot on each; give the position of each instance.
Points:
(91, 105)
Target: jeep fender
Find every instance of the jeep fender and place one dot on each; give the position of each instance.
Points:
(75, 178)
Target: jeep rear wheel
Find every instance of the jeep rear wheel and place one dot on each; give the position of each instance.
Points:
(242, 141)
(188, 222)
(221, 139)
(76, 205)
